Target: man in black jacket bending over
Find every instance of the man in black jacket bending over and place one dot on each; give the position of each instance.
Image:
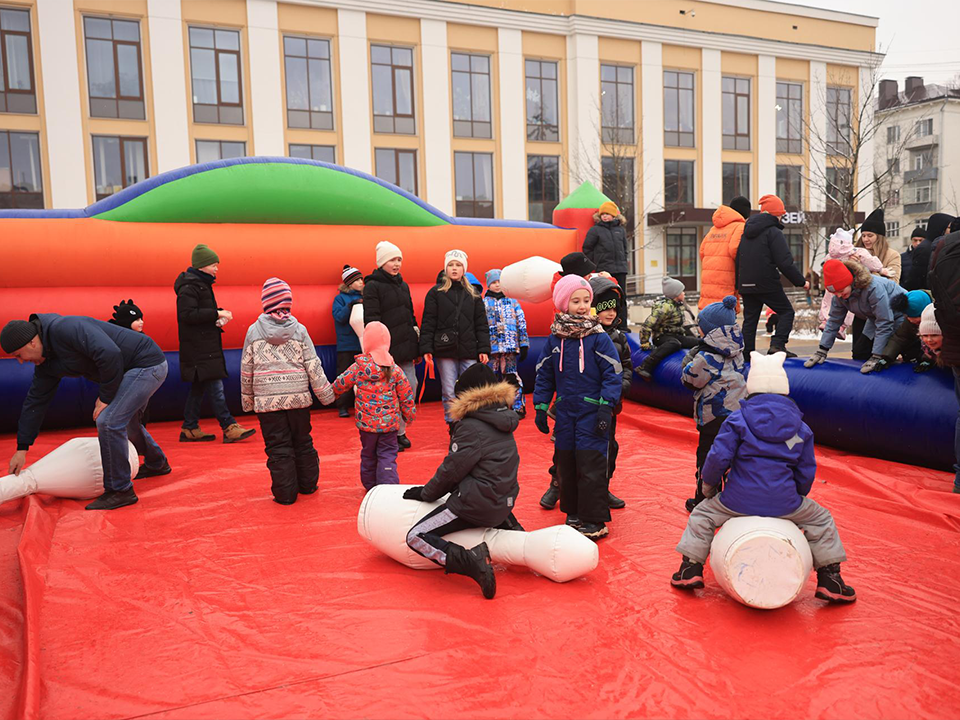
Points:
(129, 367)
(764, 254)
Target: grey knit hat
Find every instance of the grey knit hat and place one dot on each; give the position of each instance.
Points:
(672, 288)
(16, 334)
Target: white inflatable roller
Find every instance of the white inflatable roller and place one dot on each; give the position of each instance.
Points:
(762, 562)
(356, 319)
(559, 553)
(73, 470)
(529, 280)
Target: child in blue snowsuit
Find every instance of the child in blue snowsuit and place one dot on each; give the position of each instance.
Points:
(509, 342)
(714, 370)
(768, 450)
(581, 366)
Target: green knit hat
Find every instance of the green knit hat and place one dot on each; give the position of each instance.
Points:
(203, 256)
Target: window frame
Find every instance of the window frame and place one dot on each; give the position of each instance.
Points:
(397, 152)
(313, 148)
(618, 134)
(924, 127)
(693, 179)
(12, 193)
(928, 186)
(680, 134)
(689, 237)
(470, 73)
(547, 205)
(792, 142)
(114, 43)
(795, 173)
(795, 241)
(737, 168)
(196, 148)
(5, 77)
(893, 134)
(121, 139)
(216, 67)
(894, 226)
(286, 83)
(536, 132)
(492, 202)
(394, 115)
(839, 144)
(735, 139)
(838, 174)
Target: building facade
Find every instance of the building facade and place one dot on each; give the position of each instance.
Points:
(491, 108)
(919, 133)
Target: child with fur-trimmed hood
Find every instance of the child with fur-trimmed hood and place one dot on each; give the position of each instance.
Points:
(479, 472)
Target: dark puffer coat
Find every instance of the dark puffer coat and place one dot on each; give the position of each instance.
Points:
(201, 342)
(606, 245)
(762, 255)
(386, 299)
(480, 471)
(441, 317)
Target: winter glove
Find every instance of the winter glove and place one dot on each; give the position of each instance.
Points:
(818, 357)
(876, 363)
(923, 365)
(541, 422)
(604, 419)
(523, 352)
(414, 493)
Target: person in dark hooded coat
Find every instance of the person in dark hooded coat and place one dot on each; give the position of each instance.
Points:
(921, 256)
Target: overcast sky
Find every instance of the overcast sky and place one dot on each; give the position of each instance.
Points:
(918, 36)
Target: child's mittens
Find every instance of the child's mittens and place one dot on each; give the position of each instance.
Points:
(541, 421)
(414, 493)
(604, 419)
(523, 352)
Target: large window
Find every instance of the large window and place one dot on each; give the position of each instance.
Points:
(215, 70)
(210, 150)
(736, 113)
(543, 186)
(398, 167)
(306, 63)
(619, 184)
(542, 100)
(678, 182)
(893, 134)
(838, 121)
(392, 69)
(790, 186)
(474, 175)
(893, 229)
(21, 185)
(925, 127)
(114, 78)
(678, 116)
(471, 95)
(789, 117)
(118, 162)
(922, 160)
(682, 244)
(839, 187)
(736, 181)
(923, 192)
(795, 244)
(323, 153)
(616, 100)
(17, 94)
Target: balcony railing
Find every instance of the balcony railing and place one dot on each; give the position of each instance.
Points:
(927, 173)
(921, 208)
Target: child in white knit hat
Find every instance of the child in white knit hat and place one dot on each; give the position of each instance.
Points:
(931, 338)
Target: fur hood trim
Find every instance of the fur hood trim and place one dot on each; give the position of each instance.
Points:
(862, 277)
(501, 394)
(620, 219)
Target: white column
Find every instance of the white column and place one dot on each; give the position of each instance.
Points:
(170, 100)
(711, 100)
(866, 99)
(583, 109)
(651, 54)
(437, 125)
(266, 99)
(61, 103)
(817, 104)
(355, 82)
(766, 126)
(513, 159)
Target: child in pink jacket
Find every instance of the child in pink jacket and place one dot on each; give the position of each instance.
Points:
(840, 248)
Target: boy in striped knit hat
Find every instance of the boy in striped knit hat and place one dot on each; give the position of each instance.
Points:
(278, 368)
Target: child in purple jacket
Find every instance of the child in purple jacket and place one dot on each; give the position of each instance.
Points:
(768, 450)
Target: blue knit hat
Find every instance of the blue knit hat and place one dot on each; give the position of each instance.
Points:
(493, 276)
(917, 300)
(718, 314)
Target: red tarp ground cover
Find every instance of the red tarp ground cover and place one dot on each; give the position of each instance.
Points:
(208, 600)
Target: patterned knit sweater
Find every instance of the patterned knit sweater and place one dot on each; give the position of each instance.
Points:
(279, 366)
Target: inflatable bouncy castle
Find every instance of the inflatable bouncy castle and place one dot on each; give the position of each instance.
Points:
(299, 220)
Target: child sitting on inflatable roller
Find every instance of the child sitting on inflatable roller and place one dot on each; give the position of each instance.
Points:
(714, 370)
(667, 329)
(768, 450)
(479, 472)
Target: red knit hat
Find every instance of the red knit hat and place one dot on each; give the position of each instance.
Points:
(773, 205)
(836, 275)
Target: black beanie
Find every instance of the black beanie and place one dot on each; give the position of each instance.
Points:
(473, 377)
(16, 334)
(919, 232)
(938, 224)
(741, 205)
(874, 223)
(576, 263)
(126, 313)
(609, 299)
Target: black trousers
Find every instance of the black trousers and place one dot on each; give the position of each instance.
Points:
(667, 345)
(291, 458)
(708, 433)
(862, 345)
(344, 361)
(583, 484)
(613, 450)
(621, 279)
(752, 307)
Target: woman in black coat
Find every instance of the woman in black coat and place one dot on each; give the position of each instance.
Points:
(455, 333)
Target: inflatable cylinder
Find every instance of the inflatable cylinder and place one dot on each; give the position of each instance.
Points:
(529, 280)
(559, 553)
(73, 470)
(762, 562)
(356, 319)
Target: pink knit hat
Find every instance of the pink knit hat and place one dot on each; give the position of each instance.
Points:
(276, 297)
(376, 343)
(567, 286)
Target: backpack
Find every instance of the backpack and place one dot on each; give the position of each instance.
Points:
(944, 280)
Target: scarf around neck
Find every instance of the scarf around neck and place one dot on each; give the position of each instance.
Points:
(567, 326)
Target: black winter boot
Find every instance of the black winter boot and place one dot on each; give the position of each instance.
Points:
(474, 563)
(646, 370)
(831, 587)
(776, 347)
(551, 496)
(403, 442)
(614, 502)
(689, 576)
(594, 531)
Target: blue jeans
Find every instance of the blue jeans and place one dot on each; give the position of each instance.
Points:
(121, 420)
(956, 432)
(191, 413)
(448, 370)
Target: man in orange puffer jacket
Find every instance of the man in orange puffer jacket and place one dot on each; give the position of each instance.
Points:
(718, 253)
